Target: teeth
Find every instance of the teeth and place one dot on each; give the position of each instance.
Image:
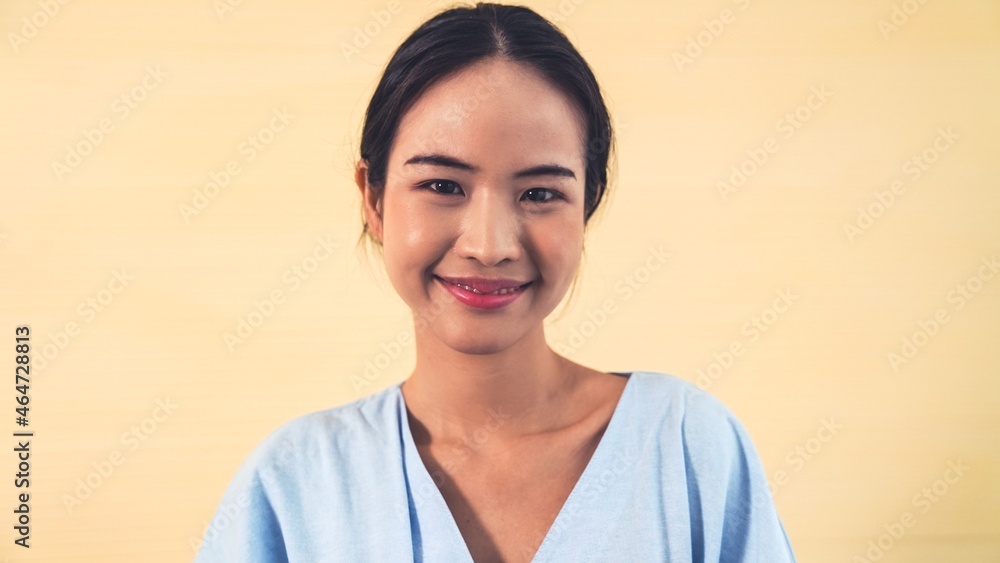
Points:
(497, 292)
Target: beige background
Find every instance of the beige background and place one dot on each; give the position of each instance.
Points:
(201, 80)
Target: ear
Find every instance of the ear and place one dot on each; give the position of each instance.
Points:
(370, 200)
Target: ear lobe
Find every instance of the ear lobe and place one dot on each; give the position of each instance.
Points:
(369, 200)
(375, 223)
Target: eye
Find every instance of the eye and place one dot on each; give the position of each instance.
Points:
(540, 195)
(448, 185)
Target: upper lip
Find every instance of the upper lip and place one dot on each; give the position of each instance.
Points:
(486, 285)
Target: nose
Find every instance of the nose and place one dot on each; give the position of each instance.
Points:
(491, 230)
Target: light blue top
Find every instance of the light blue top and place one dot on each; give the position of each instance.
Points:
(675, 478)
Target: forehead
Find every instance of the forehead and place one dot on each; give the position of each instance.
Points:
(505, 112)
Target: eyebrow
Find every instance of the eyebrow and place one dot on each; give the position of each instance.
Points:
(437, 159)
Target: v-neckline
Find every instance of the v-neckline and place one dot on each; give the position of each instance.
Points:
(597, 459)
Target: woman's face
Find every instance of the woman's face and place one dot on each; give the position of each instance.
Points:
(485, 180)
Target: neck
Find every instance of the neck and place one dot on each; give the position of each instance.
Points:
(522, 390)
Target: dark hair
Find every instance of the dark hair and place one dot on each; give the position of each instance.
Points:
(459, 37)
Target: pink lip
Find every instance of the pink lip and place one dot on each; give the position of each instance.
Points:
(486, 285)
(483, 300)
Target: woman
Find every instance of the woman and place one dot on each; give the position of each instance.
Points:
(484, 154)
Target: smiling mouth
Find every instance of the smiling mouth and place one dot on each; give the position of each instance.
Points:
(501, 291)
(497, 292)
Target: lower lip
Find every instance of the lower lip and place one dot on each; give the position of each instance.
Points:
(481, 300)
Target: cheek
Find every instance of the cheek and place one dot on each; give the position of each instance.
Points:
(560, 246)
(411, 237)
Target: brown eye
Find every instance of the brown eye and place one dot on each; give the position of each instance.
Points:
(540, 195)
(445, 186)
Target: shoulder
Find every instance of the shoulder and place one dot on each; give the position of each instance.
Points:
(694, 412)
(733, 515)
(696, 428)
(712, 437)
(365, 424)
(297, 472)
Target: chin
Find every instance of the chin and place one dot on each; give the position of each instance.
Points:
(474, 343)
